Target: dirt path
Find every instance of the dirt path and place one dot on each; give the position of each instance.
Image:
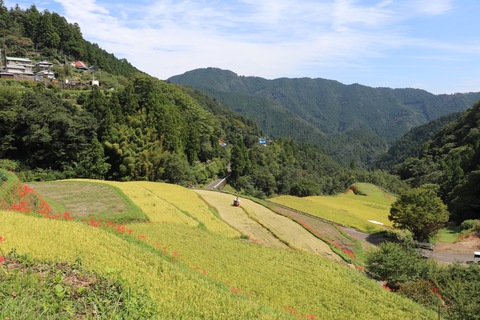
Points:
(251, 217)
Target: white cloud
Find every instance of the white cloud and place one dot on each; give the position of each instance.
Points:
(434, 7)
(269, 38)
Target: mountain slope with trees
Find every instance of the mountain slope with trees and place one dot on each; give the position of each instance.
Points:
(410, 145)
(48, 35)
(451, 160)
(146, 129)
(348, 121)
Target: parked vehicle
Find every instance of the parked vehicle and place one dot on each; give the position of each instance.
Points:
(476, 257)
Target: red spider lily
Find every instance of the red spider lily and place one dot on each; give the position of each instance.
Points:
(142, 237)
(175, 253)
(311, 316)
(67, 216)
(44, 208)
(437, 292)
(2, 259)
(129, 231)
(349, 253)
(291, 310)
(235, 290)
(2, 239)
(94, 223)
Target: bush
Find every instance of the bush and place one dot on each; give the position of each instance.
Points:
(459, 287)
(9, 164)
(471, 224)
(421, 291)
(305, 188)
(3, 177)
(396, 263)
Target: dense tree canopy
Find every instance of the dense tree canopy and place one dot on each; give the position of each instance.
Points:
(49, 34)
(420, 211)
(451, 159)
(145, 129)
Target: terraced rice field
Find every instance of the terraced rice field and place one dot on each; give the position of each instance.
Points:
(179, 292)
(169, 203)
(236, 217)
(72, 195)
(362, 212)
(281, 228)
(195, 272)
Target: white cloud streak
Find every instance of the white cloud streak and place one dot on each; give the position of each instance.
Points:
(269, 38)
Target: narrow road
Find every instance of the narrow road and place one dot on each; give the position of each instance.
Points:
(218, 184)
(445, 257)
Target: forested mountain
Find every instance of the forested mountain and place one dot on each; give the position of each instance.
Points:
(351, 122)
(451, 159)
(410, 145)
(143, 128)
(30, 33)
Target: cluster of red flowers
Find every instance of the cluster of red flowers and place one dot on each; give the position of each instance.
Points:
(294, 312)
(437, 293)
(107, 224)
(201, 271)
(29, 201)
(349, 253)
(318, 235)
(2, 257)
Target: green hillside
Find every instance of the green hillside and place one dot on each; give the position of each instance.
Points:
(349, 115)
(410, 145)
(47, 35)
(451, 159)
(202, 272)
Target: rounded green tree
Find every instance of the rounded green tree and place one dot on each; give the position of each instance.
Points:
(420, 211)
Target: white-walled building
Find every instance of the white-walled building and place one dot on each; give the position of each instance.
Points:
(19, 66)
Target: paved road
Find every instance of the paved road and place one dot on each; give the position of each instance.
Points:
(446, 257)
(218, 184)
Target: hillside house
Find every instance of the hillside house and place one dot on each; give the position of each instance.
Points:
(221, 143)
(19, 66)
(44, 74)
(44, 65)
(81, 65)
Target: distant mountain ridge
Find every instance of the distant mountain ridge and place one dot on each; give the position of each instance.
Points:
(348, 121)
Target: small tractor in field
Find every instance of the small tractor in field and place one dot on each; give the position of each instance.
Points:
(236, 202)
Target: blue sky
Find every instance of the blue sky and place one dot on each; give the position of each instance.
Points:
(427, 44)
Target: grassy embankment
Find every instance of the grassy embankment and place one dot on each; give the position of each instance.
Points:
(196, 266)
